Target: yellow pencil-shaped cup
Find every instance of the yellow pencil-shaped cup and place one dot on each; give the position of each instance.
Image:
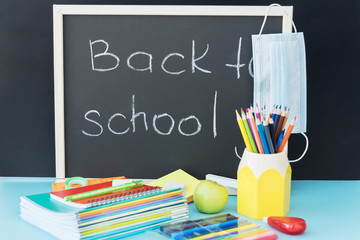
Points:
(264, 183)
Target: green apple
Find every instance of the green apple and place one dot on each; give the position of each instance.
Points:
(210, 196)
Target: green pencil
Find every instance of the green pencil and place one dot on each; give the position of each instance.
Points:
(248, 131)
(104, 190)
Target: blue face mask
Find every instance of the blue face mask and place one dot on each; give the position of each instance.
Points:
(280, 72)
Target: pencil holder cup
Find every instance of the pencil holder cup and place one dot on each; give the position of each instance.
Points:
(264, 182)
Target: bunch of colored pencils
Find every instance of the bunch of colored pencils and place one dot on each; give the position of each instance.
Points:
(265, 135)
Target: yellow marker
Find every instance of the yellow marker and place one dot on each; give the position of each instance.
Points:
(243, 131)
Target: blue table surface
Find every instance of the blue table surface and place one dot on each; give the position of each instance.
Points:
(331, 209)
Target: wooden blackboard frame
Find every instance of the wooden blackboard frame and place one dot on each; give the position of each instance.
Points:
(59, 11)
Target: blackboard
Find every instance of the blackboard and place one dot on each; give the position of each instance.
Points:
(142, 91)
(27, 146)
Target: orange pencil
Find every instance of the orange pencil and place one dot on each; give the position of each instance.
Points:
(287, 136)
(256, 133)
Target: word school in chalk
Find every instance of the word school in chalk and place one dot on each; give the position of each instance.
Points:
(92, 115)
(114, 60)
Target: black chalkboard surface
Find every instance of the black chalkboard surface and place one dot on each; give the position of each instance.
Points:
(27, 146)
(145, 95)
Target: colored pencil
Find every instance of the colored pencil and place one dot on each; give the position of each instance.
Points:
(256, 134)
(251, 108)
(287, 135)
(272, 132)
(271, 113)
(268, 137)
(247, 111)
(286, 118)
(279, 125)
(258, 111)
(263, 113)
(243, 131)
(276, 116)
(248, 132)
(101, 191)
(264, 110)
(280, 139)
(262, 136)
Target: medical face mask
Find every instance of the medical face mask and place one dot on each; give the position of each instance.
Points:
(280, 73)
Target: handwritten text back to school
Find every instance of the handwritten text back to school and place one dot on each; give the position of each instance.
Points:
(103, 59)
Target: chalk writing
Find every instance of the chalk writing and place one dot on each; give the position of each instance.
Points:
(142, 115)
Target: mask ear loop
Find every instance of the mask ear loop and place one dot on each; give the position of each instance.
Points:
(306, 148)
(236, 153)
(262, 27)
(266, 15)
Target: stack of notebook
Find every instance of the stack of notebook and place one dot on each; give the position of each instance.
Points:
(116, 214)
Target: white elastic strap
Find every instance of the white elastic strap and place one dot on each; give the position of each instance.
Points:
(291, 161)
(306, 148)
(236, 153)
(266, 15)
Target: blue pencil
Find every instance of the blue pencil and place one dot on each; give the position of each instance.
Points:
(276, 116)
(262, 136)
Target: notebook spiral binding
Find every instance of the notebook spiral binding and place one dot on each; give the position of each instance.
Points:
(122, 196)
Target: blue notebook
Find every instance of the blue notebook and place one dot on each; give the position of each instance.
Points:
(44, 201)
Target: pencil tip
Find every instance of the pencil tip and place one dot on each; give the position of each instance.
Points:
(238, 117)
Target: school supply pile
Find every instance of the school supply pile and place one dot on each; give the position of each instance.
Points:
(104, 211)
(224, 226)
(262, 134)
(180, 176)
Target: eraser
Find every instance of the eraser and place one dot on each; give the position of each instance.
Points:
(226, 182)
